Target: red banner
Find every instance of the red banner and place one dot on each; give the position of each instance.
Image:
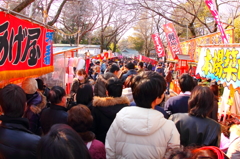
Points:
(25, 48)
(214, 12)
(105, 55)
(158, 45)
(172, 39)
(146, 59)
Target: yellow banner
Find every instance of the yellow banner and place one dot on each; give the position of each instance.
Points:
(191, 47)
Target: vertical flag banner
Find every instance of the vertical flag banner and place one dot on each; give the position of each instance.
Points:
(172, 39)
(25, 48)
(214, 12)
(158, 45)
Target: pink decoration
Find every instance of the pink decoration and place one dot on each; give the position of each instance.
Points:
(66, 78)
(70, 63)
(70, 78)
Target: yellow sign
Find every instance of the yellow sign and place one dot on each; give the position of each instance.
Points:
(191, 47)
(221, 64)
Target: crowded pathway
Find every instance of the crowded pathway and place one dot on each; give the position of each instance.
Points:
(122, 110)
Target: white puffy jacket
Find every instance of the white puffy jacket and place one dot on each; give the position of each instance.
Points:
(140, 133)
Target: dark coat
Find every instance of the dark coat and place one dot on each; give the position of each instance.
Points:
(55, 114)
(100, 85)
(104, 112)
(76, 84)
(34, 106)
(149, 67)
(16, 141)
(177, 104)
(197, 131)
(129, 72)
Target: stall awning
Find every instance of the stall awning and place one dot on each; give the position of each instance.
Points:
(184, 57)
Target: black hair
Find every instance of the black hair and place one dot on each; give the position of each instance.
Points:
(56, 94)
(40, 84)
(84, 94)
(62, 142)
(140, 64)
(146, 87)
(201, 100)
(186, 82)
(13, 100)
(114, 87)
(130, 65)
(114, 68)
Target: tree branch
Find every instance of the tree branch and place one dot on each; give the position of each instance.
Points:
(57, 14)
(22, 5)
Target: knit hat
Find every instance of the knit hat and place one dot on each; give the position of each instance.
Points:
(29, 86)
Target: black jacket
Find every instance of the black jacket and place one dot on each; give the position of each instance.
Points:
(16, 141)
(55, 114)
(104, 112)
(196, 131)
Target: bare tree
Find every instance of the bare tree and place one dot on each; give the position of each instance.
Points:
(190, 14)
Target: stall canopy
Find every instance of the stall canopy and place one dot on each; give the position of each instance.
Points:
(25, 49)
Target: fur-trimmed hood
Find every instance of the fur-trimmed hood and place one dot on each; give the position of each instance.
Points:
(109, 101)
(108, 107)
(38, 108)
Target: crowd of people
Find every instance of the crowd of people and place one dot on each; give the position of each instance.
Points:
(121, 110)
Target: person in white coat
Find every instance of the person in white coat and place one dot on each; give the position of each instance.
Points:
(140, 132)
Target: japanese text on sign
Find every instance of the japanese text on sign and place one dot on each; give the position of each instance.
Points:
(47, 55)
(30, 50)
(221, 64)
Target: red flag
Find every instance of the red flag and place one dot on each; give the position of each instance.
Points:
(172, 39)
(87, 65)
(158, 45)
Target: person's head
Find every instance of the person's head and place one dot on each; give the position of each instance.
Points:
(84, 94)
(114, 87)
(201, 100)
(80, 119)
(82, 74)
(140, 65)
(208, 152)
(13, 101)
(114, 69)
(40, 84)
(57, 95)
(97, 62)
(178, 153)
(29, 85)
(130, 66)
(148, 87)
(62, 142)
(186, 82)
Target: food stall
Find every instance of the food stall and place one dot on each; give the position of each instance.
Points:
(25, 48)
